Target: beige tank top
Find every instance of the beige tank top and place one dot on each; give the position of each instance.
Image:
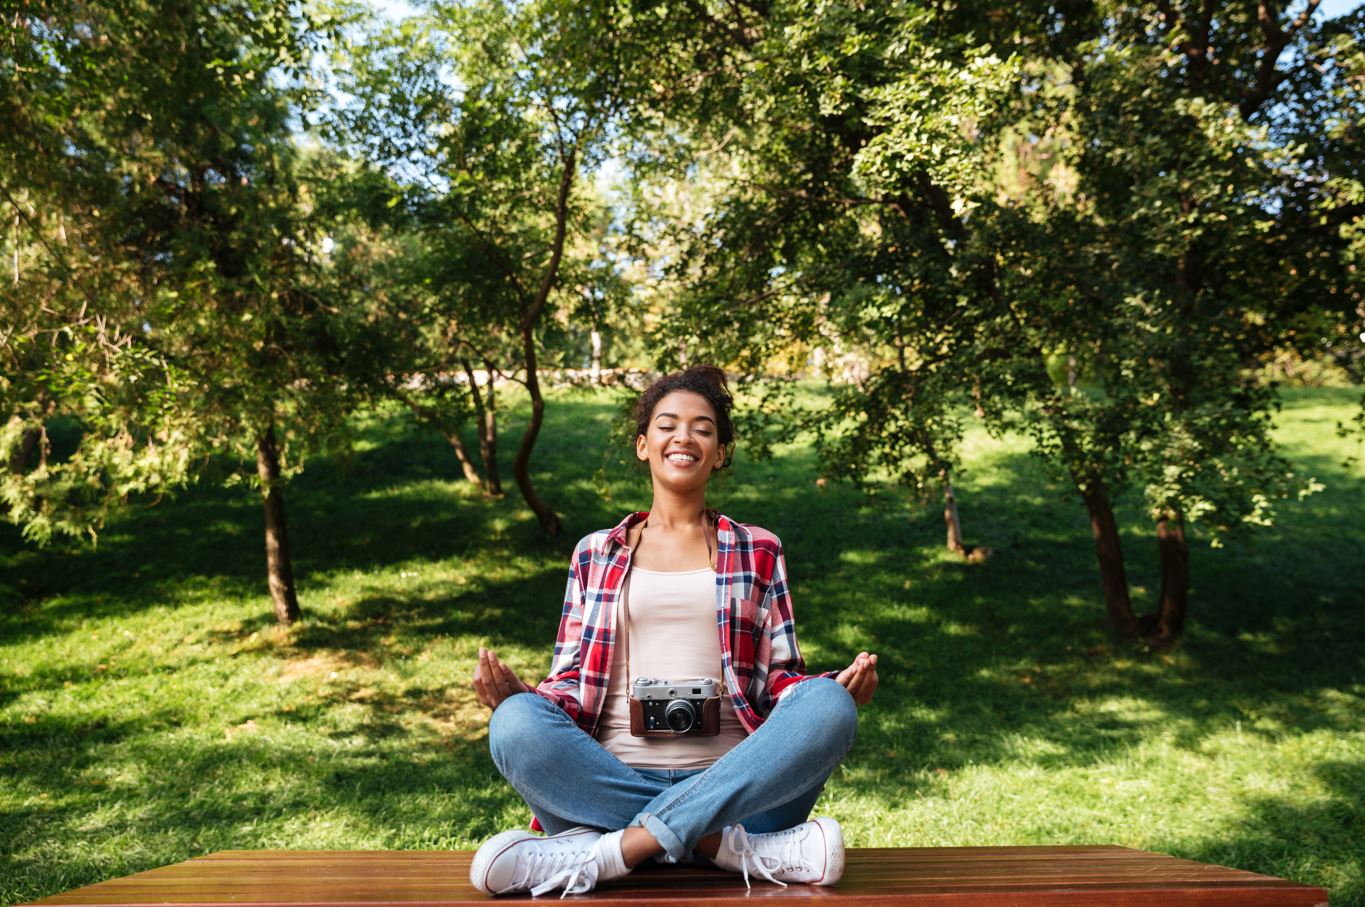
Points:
(672, 626)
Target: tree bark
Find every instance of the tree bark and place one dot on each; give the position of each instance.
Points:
(425, 413)
(549, 520)
(950, 516)
(595, 370)
(279, 565)
(466, 465)
(486, 415)
(1109, 552)
(22, 456)
(1169, 621)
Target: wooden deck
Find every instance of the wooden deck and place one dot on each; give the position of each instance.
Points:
(920, 877)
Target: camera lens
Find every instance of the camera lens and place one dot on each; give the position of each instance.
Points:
(679, 715)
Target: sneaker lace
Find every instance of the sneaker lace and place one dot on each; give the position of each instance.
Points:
(790, 856)
(573, 870)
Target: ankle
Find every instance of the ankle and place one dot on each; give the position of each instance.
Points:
(638, 845)
(709, 846)
(611, 863)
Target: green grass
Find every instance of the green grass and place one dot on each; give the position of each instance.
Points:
(150, 712)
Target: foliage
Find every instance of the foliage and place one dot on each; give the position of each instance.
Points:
(155, 142)
(969, 198)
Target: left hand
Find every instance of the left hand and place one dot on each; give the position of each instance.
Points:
(860, 678)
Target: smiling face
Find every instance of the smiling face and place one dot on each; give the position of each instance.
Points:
(681, 444)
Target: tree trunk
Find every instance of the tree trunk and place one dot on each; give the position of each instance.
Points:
(279, 565)
(595, 371)
(34, 446)
(1169, 620)
(1109, 551)
(22, 456)
(466, 465)
(486, 415)
(950, 516)
(549, 520)
(426, 414)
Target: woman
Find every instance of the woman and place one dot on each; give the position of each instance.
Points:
(678, 592)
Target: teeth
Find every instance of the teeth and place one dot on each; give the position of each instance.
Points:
(682, 456)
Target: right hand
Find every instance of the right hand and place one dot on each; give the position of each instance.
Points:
(494, 681)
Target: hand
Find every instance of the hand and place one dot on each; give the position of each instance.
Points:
(860, 678)
(495, 681)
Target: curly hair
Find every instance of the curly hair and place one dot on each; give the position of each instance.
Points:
(706, 380)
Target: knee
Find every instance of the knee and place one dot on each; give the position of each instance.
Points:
(832, 711)
(514, 727)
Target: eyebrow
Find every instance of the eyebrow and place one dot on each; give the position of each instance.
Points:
(676, 416)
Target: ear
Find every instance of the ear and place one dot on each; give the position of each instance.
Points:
(641, 448)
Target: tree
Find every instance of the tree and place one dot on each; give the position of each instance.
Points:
(164, 132)
(74, 359)
(868, 146)
(487, 116)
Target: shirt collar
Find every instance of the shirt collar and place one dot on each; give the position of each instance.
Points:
(619, 535)
(725, 528)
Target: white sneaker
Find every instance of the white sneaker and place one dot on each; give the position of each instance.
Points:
(811, 852)
(520, 861)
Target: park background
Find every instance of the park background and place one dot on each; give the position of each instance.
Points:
(321, 324)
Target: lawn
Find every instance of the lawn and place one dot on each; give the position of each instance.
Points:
(151, 712)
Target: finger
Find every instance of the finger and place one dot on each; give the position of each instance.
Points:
(481, 692)
(484, 687)
(869, 687)
(844, 676)
(510, 677)
(486, 673)
(496, 668)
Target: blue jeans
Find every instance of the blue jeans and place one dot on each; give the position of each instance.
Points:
(768, 782)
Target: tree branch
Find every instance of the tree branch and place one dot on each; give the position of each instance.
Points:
(547, 281)
(1268, 77)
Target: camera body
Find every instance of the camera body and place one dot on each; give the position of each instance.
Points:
(674, 708)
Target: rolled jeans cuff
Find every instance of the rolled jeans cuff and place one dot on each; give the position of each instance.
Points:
(673, 845)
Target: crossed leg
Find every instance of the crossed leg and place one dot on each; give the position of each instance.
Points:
(769, 782)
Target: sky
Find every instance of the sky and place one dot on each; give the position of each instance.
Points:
(1333, 8)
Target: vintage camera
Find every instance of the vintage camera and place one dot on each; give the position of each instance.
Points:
(673, 708)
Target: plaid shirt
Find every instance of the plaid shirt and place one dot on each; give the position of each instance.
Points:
(758, 653)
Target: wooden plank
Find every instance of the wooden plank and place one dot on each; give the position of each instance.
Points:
(919, 877)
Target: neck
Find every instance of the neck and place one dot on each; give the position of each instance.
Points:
(675, 510)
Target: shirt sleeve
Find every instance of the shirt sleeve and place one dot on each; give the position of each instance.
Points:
(778, 647)
(563, 685)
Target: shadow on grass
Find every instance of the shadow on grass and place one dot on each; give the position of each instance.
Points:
(160, 794)
(1319, 838)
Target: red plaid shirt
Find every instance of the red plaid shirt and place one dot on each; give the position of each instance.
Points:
(758, 653)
